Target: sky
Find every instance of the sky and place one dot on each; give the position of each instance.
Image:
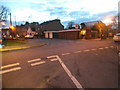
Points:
(77, 11)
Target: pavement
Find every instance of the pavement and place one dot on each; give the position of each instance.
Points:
(20, 47)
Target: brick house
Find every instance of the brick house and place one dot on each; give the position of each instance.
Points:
(90, 33)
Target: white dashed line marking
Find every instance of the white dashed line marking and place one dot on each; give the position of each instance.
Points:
(77, 84)
(106, 47)
(10, 70)
(10, 65)
(50, 56)
(65, 54)
(93, 49)
(53, 59)
(111, 46)
(100, 48)
(37, 63)
(34, 60)
(86, 50)
(77, 52)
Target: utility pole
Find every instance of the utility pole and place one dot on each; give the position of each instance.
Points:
(15, 20)
(119, 16)
(10, 20)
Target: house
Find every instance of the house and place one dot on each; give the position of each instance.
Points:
(85, 32)
(53, 25)
(88, 31)
(30, 32)
(4, 27)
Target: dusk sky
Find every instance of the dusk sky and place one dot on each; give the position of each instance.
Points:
(66, 10)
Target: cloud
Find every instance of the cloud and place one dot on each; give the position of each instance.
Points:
(57, 11)
(86, 17)
(79, 14)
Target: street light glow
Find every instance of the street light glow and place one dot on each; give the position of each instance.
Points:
(108, 20)
(12, 27)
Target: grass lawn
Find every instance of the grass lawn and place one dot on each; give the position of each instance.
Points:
(15, 42)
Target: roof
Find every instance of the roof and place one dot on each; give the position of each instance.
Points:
(44, 23)
(90, 24)
(63, 30)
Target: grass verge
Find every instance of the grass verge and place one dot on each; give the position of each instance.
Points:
(15, 42)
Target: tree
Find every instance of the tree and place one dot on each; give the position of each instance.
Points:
(101, 27)
(4, 11)
(115, 23)
(70, 25)
(83, 26)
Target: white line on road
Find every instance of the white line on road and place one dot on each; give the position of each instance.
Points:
(37, 63)
(86, 50)
(78, 85)
(10, 70)
(77, 52)
(100, 48)
(93, 49)
(54, 59)
(10, 65)
(106, 47)
(111, 46)
(50, 56)
(65, 54)
(34, 60)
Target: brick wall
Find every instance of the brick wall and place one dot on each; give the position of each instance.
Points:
(72, 35)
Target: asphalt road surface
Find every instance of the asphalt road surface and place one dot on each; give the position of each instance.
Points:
(62, 64)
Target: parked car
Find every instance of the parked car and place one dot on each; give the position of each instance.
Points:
(19, 36)
(7, 37)
(1, 42)
(36, 36)
(116, 37)
(28, 37)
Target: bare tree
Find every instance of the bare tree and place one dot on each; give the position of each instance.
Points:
(4, 11)
(70, 25)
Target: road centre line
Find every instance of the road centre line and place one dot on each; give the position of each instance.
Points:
(37, 63)
(65, 54)
(51, 56)
(106, 47)
(111, 46)
(54, 59)
(77, 84)
(10, 70)
(10, 65)
(34, 60)
(93, 49)
(100, 48)
(77, 51)
(86, 50)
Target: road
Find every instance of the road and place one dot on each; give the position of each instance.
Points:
(62, 64)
